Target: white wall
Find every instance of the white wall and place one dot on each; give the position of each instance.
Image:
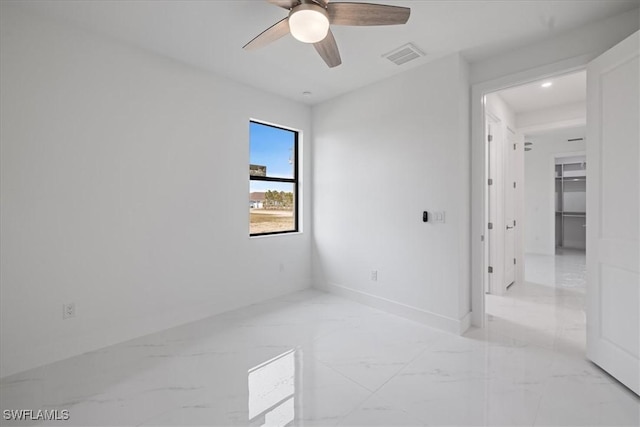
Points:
(540, 186)
(382, 155)
(496, 106)
(558, 117)
(589, 40)
(124, 190)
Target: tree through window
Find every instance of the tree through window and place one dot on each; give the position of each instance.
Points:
(273, 176)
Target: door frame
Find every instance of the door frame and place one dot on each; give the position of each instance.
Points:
(479, 242)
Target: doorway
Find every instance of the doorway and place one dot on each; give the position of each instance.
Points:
(536, 188)
(503, 203)
(613, 275)
(486, 99)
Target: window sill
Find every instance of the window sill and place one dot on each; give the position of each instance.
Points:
(262, 236)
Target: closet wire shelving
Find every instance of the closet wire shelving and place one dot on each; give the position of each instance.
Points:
(571, 204)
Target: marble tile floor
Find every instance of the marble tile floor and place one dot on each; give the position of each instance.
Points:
(314, 359)
(567, 269)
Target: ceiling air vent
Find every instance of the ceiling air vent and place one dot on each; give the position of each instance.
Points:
(404, 54)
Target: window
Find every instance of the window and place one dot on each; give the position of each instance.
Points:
(273, 180)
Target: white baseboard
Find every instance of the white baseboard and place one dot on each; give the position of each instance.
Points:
(454, 326)
(465, 323)
(125, 329)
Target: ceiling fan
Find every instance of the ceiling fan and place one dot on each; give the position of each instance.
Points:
(309, 20)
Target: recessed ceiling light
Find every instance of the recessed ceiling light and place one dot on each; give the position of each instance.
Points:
(306, 94)
(546, 84)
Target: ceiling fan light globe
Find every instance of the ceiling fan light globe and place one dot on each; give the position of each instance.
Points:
(309, 23)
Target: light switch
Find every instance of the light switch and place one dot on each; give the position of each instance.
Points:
(438, 216)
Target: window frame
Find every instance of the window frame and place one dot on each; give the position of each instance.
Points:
(294, 180)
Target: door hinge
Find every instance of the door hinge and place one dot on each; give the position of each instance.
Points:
(490, 269)
(514, 261)
(490, 181)
(514, 184)
(490, 138)
(490, 226)
(514, 222)
(514, 146)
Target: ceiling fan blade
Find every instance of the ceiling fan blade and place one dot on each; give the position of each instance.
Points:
(367, 14)
(328, 50)
(273, 33)
(285, 4)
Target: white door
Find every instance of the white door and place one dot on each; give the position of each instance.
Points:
(613, 212)
(495, 234)
(509, 209)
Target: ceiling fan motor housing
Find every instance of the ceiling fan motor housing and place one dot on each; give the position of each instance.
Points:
(309, 22)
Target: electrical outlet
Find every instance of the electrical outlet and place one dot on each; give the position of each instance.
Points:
(374, 275)
(68, 310)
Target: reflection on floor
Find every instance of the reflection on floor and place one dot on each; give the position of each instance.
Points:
(567, 269)
(315, 359)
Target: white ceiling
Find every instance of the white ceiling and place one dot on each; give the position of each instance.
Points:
(210, 35)
(566, 89)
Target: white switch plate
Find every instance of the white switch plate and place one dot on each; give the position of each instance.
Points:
(439, 216)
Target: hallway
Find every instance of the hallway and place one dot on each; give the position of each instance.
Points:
(548, 310)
